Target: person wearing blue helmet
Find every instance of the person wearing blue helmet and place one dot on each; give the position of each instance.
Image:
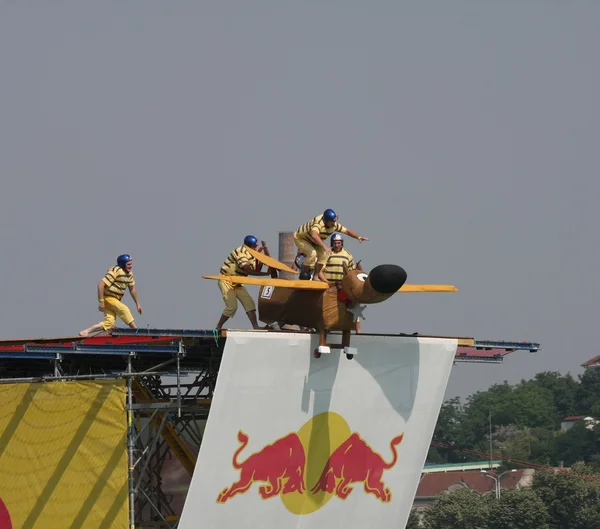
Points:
(240, 262)
(111, 290)
(309, 240)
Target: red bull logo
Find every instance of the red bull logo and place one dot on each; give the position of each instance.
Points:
(309, 467)
(5, 522)
(355, 461)
(280, 465)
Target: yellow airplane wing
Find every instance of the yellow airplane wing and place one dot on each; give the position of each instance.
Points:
(269, 281)
(318, 285)
(427, 288)
(269, 261)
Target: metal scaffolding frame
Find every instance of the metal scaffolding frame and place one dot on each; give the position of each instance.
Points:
(170, 376)
(170, 379)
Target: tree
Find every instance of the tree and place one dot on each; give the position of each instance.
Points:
(577, 444)
(572, 502)
(533, 405)
(512, 441)
(588, 391)
(477, 410)
(524, 444)
(580, 467)
(462, 508)
(413, 520)
(525, 420)
(518, 509)
(526, 405)
(564, 390)
(543, 446)
(449, 429)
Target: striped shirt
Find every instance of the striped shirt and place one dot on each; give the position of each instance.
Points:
(116, 282)
(334, 269)
(235, 260)
(318, 224)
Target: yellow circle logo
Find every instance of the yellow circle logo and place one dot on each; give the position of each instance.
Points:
(320, 436)
(307, 468)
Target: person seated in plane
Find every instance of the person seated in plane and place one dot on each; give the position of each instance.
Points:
(334, 268)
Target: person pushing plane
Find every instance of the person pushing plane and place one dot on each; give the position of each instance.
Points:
(111, 290)
(240, 262)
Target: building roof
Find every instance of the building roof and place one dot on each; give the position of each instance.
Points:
(574, 418)
(453, 467)
(433, 484)
(591, 361)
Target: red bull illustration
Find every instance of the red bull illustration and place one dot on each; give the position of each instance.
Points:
(5, 522)
(356, 462)
(340, 458)
(280, 465)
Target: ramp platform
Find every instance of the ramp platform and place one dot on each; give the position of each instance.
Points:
(197, 404)
(291, 442)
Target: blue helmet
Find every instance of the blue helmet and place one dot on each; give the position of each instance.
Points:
(250, 240)
(123, 259)
(329, 214)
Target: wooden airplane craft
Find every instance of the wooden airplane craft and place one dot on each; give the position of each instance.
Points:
(323, 306)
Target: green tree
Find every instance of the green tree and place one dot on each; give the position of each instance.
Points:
(533, 405)
(477, 409)
(524, 405)
(577, 444)
(525, 420)
(512, 441)
(462, 508)
(572, 502)
(413, 521)
(518, 509)
(564, 390)
(594, 463)
(524, 444)
(449, 429)
(543, 446)
(588, 391)
(580, 467)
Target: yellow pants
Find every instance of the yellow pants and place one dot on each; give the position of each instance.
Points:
(312, 254)
(231, 293)
(113, 308)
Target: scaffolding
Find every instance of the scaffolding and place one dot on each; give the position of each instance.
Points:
(171, 375)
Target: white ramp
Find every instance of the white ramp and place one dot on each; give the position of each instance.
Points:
(298, 442)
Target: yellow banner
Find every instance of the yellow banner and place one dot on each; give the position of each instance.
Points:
(63, 455)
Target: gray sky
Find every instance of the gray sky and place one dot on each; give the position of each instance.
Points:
(462, 137)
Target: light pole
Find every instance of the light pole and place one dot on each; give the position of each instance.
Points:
(497, 479)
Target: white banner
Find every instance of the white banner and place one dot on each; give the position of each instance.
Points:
(297, 442)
